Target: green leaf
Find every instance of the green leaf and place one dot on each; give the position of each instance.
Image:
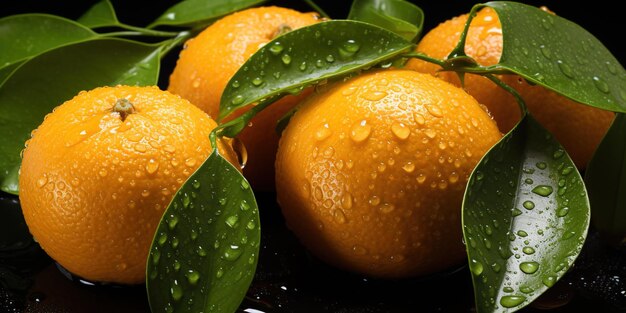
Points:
(399, 16)
(306, 56)
(100, 14)
(199, 13)
(206, 248)
(51, 78)
(525, 218)
(558, 54)
(26, 35)
(606, 181)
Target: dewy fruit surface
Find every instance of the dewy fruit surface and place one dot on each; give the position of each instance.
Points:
(94, 182)
(579, 128)
(208, 61)
(371, 172)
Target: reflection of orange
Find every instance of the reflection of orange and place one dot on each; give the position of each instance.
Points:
(370, 174)
(94, 181)
(209, 61)
(579, 128)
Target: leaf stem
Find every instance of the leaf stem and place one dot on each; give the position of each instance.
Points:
(424, 57)
(316, 8)
(520, 101)
(138, 31)
(168, 45)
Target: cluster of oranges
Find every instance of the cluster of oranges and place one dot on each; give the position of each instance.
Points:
(369, 173)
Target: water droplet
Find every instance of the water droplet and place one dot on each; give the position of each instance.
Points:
(244, 184)
(528, 205)
(232, 253)
(152, 166)
(566, 171)
(346, 201)
(176, 291)
(496, 267)
(375, 95)
(529, 267)
(195, 184)
(339, 216)
(359, 250)
(516, 212)
(601, 84)
(235, 84)
(219, 273)
(409, 167)
(541, 165)
(169, 148)
(43, 180)
(286, 59)
(176, 265)
(479, 175)
(348, 49)
(201, 251)
(174, 242)
(276, 48)
(549, 280)
(156, 256)
(476, 267)
(561, 212)
(526, 289)
(528, 181)
(323, 132)
(374, 201)
(103, 172)
(528, 250)
(400, 130)
(237, 100)
(303, 66)
(522, 233)
(565, 69)
(162, 239)
(232, 220)
(244, 206)
(434, 110)
(251, 225)
(172, 222)
(511, 301)
(545, 51)
(360, 131)
(330, 58)
(257, 81)
(508, 289)
(192, 277)
(543, 190)
(386, 208)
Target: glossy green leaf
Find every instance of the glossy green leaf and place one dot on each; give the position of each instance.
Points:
(100, 14)
(606, 181)
(198, 13)
(399, 16)
(554, 52)
(525, 218)
(306, 56)
(206, 248)
(26, 35)
(51, 78)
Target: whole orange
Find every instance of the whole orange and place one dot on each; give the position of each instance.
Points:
(100, 170)
(209, 60)
(579, 128)
(370, 174)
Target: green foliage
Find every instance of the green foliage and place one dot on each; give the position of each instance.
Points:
(100, 14)
(398, 16)
(525, 218)
(200, 13)
(206, 247)
(304, 57)
(44, 82)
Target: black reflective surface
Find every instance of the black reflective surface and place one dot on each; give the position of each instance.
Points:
(288, 279)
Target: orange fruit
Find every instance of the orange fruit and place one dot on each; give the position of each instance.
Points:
(370, 173)
(209, 60)
(100, 170)
(579, 128)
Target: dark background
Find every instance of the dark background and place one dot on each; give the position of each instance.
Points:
(601, 18)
